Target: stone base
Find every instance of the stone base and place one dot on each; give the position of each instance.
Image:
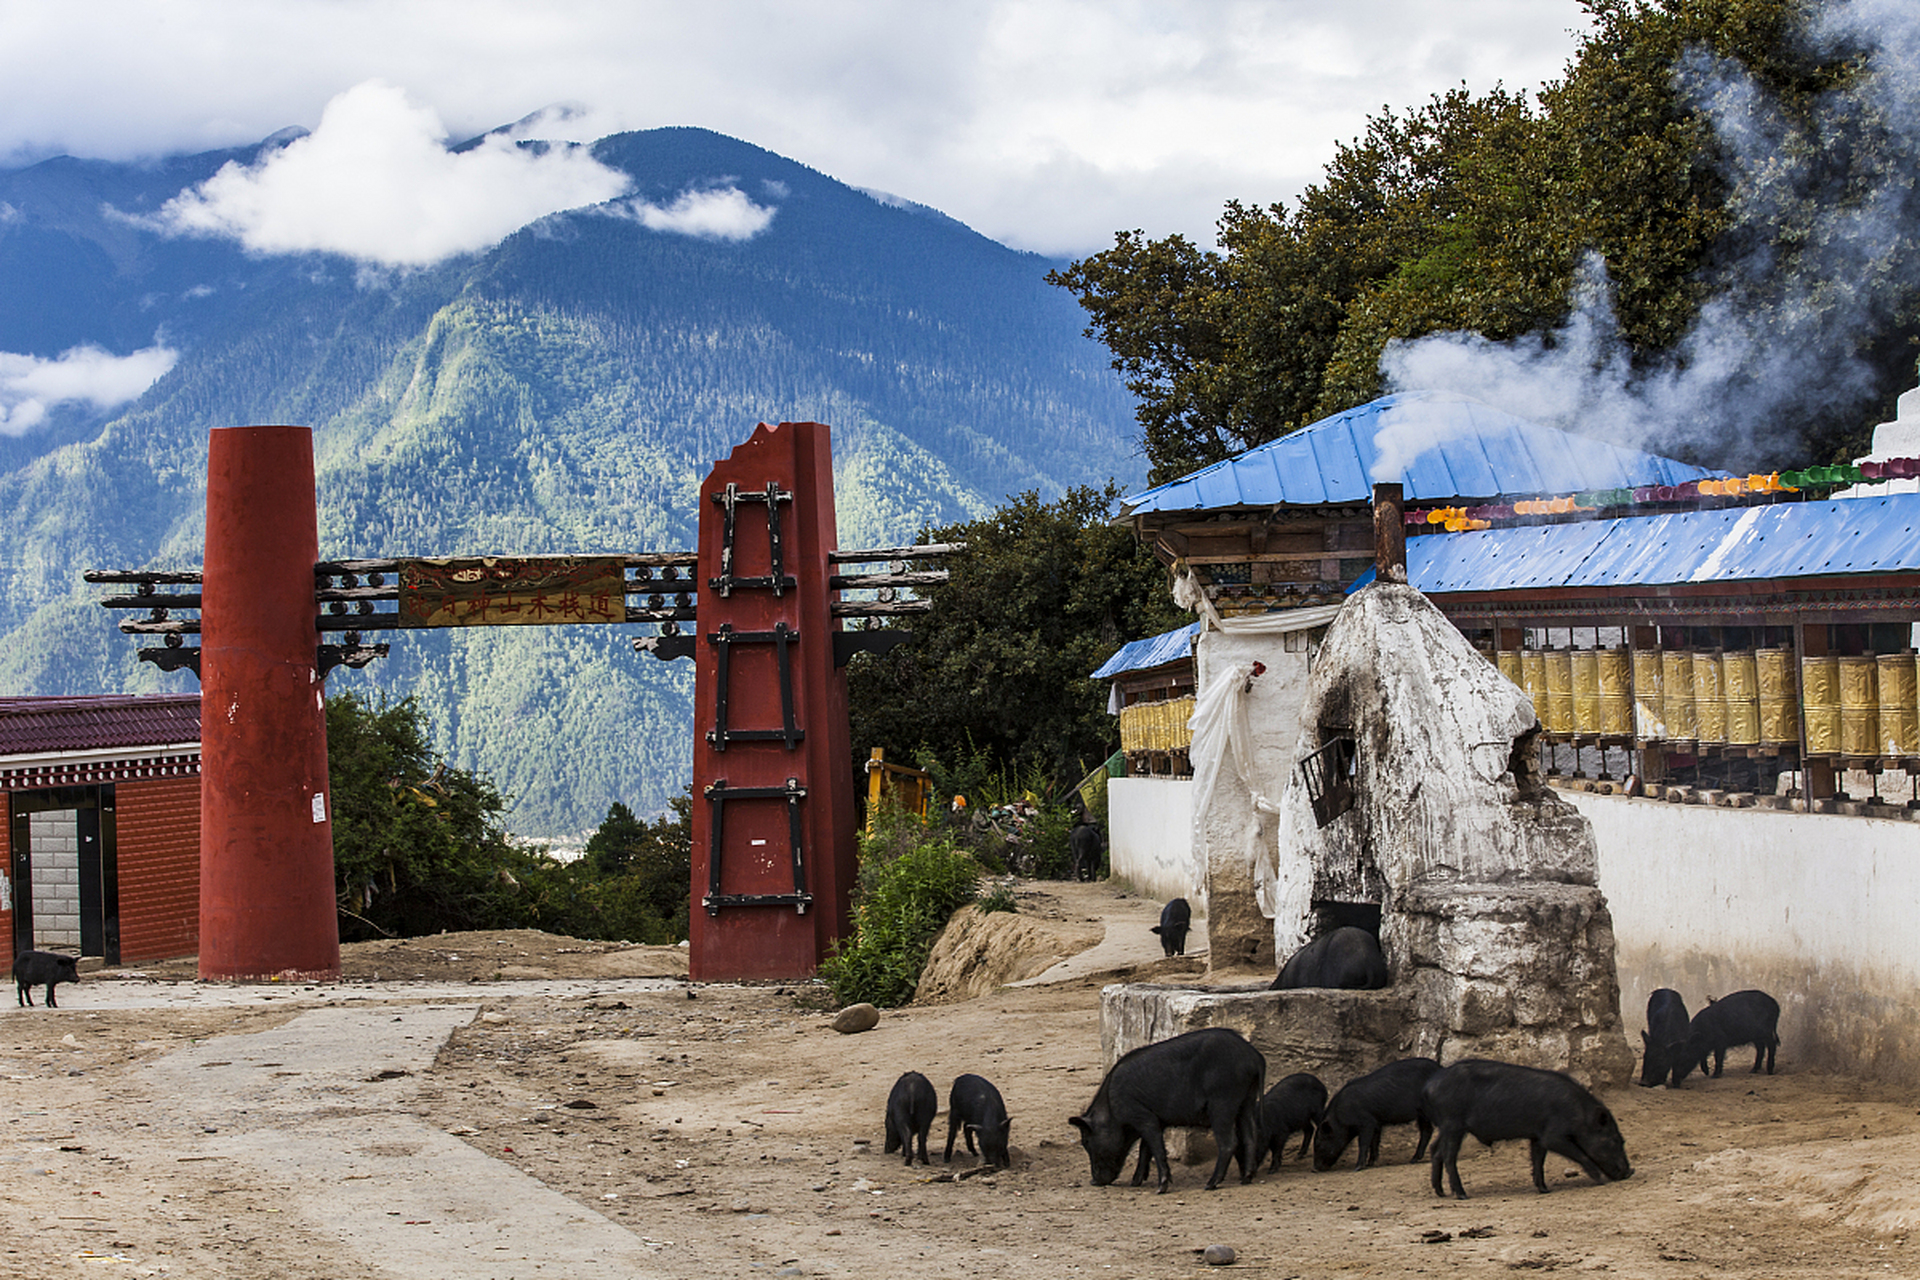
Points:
(1521, 973)
(1336, 1035)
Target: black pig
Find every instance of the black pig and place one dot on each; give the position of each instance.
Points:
(1292, 1106)
(1084, 841)
(1364, 1106)
(1210, 1078)
(1745, 1017)
(1497, 1101)
(1175, 919)
(1347, 959)
(1666, 1025)
(975, 1107)
(31, 968)
(910, 1109)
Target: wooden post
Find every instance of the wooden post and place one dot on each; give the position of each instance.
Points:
(774, 855)
(1389, 533)
(266, 816)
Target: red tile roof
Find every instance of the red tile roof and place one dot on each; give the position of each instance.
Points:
(32, 726)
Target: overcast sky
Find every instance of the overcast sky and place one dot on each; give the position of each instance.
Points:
(1046, 124)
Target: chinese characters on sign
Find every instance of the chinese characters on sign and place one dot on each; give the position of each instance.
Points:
(495, 591)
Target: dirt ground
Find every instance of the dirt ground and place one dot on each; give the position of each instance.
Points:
(599, 1115)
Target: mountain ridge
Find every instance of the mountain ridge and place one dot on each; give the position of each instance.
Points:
(562, 391)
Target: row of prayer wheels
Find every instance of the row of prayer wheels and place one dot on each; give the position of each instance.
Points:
(1862, 705)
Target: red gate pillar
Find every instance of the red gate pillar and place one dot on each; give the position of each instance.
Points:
(266, 831)
(773, 839)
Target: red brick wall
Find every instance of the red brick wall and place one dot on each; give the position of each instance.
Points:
(6, 870)
(157, 824)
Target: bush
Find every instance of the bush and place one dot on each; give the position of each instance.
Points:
(1000, 898)
(911, 881)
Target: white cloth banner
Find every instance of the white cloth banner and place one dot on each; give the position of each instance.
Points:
(1219, 721)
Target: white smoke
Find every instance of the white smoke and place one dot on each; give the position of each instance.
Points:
(376, 182)
(30, 386)
(1781, 339)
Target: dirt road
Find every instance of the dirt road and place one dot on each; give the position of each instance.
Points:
(582, 1118)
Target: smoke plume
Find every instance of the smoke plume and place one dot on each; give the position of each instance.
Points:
(1780, 343)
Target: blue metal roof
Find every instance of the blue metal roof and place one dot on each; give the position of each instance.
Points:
(1786, 540)
(1439, 445)
(1154, 651)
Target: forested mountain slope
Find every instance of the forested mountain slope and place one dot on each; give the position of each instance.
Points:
(563, 391)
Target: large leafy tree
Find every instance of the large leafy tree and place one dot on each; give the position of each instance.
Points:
(1043, 595)
(417, 846)
(1484, 212)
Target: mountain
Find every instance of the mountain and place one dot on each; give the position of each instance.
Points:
(561, 392)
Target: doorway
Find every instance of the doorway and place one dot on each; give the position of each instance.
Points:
(66, 894)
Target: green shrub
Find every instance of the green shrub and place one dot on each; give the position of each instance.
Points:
(1000, 898)
(911, 881)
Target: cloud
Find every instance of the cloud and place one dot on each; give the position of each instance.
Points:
(722, 213)
(1047, 124)
(31, 385)
(376, 182)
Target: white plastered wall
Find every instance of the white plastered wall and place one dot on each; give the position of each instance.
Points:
(1150, 821)
(1817, 910)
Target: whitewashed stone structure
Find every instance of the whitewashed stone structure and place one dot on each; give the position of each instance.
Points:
(1491, 915)
(1492, 920)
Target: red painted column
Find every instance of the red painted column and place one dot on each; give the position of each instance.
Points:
(266, 831)
(752, 927)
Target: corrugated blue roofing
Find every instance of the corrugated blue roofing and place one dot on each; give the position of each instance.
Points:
(1439, 445)
(1154, 651)
(35, 726)
(1787, 540)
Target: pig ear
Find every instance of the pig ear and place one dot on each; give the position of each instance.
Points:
(1646, 1040)
(1078, 1122)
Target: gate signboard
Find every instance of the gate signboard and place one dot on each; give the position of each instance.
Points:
(495, 591)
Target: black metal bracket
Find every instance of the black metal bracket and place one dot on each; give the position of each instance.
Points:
(351, 654)
(665, 647)
(782, 637)
(718, 794)
(848, 643)
(173, 658)
(730, 499)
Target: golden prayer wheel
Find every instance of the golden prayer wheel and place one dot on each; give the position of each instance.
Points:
(1820, 682)
(1899, 715)
(1677, 705)
(1649, 706)
(1859, 705)
(1560, 691)
(1740, 678)
(1508, 660)
(1533, 681)
(1709, 698)
(1586, 691)
(1616, 692)
(1779, 700)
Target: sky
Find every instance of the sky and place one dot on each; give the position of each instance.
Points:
(1045, 124)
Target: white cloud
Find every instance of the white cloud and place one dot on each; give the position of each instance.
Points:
(723, 213)
(31, 385)
(1048, 124)
(376, 182)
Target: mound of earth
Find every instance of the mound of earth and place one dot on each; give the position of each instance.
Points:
(979, 952)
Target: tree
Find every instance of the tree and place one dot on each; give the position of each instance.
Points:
(1043, 595)
(1482, 212)
(417, 846)
(644, 872)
